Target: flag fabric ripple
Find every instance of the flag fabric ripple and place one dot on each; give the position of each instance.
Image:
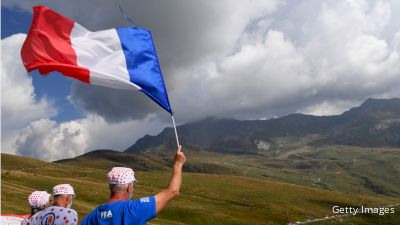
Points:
(122, 58)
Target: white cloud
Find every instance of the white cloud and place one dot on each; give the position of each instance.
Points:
(19, 105)
(328, 108)
(246, 80)
(44, 139)
(48, 140)
(342, 59)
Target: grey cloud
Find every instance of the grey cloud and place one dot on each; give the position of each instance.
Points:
(112, 104)
(184, 31)
(252, 59)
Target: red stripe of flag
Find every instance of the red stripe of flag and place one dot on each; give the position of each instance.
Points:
(48, 45)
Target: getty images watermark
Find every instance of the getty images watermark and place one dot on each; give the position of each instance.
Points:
(356, 210)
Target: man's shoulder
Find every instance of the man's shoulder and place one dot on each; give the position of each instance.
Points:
(34, 218)
(144, 199)
(60, 212)
(59, 209)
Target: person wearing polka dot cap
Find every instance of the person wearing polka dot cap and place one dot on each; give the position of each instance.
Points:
(121, 210)
(38, 201)
(60, 213)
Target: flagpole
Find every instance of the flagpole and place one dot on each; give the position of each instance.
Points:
(176, 133)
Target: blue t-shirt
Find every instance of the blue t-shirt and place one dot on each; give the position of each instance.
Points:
(136, 212)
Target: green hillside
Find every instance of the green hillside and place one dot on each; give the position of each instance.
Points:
(337, 168)
(204, 199)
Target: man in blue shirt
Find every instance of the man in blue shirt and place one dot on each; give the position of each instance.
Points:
(120, 210)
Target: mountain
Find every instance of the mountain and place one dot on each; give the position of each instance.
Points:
(375, 123)
(356, 152)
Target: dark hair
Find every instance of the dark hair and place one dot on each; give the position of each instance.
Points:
(35, 210)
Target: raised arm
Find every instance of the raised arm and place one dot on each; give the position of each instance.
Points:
(174, 185)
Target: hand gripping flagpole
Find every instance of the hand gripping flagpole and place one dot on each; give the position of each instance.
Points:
(176, 133)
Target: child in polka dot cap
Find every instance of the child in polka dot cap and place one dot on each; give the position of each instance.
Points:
(60, 213)
(38, 201)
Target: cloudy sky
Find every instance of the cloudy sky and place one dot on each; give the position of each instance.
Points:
(227, 59)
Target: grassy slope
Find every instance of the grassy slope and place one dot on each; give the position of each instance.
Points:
(337, 168)
(204, 199)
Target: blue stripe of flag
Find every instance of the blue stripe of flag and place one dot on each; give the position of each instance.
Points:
(143, 66)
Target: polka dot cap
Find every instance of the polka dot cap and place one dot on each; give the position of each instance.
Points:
(38, 199)
(121, 175)
(63, 189)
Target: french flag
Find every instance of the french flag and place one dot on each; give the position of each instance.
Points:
(123, 58)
